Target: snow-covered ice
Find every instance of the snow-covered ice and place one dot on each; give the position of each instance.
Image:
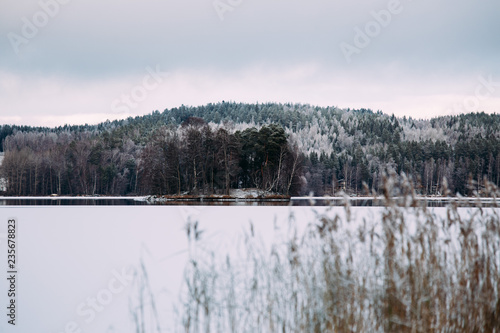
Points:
(69, 256)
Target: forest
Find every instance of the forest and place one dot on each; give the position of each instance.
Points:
(294, 149)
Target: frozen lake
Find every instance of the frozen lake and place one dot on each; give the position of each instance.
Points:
(76, 264)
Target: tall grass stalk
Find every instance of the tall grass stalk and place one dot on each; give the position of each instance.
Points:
(408, 269)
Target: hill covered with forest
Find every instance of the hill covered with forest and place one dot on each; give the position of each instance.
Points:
(286, 148)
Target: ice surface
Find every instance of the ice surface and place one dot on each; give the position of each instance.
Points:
(69, 255)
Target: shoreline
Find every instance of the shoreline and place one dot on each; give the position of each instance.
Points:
(236, 198)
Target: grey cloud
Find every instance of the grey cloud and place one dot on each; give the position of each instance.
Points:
(89, 43)
(94, 38)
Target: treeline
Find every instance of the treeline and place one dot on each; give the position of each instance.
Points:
(435, 167)
(194, 158)
(455, 154)
(338, 150)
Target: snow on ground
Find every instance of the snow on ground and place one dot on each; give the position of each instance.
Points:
(234, 195)
(75, 262)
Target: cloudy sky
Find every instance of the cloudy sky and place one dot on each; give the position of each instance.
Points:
(74, 61)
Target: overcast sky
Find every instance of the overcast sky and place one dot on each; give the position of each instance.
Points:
(75, 61)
